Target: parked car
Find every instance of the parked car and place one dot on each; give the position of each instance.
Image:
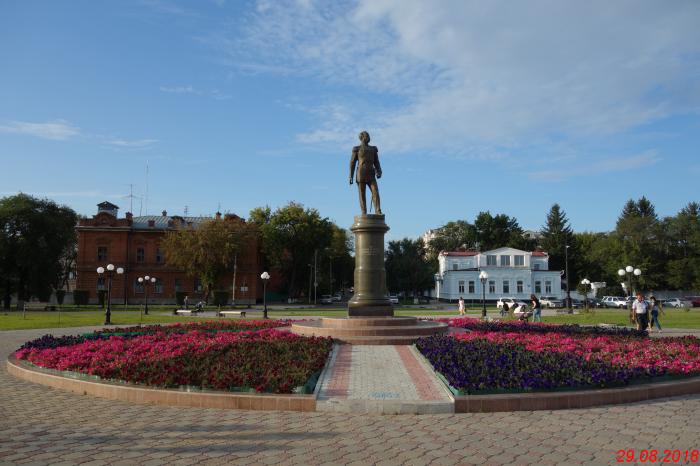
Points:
(511, 302)
(326, 299)
(337, 298)
(595, 302)
(693, 300)
(394, 299)
(676, 302)
(551, 301)
(615, 301)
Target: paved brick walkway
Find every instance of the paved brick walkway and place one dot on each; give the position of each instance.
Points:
(381, 379)
(40, 425)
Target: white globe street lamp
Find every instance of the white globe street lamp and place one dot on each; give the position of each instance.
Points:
(264, 277)
(110, 270)
(145, 281)
(483, 276)
(585, 282)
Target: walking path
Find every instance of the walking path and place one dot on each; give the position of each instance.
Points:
(381, 379)
(40, 425)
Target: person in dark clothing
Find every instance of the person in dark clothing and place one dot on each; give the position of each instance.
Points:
(536, 309)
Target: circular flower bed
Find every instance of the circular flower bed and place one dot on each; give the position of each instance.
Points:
(510, 356)
(240, 356)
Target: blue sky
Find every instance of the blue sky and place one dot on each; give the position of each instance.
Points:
(499, 106)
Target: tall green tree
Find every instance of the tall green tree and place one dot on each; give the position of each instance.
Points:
(291, 236)
(556, 235)
(35, 234)
(683, 232)
(407, 267)
(499, 231)
(208, 251)
(643, 240)
(451, 237)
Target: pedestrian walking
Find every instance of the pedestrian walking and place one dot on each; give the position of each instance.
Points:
(641, 309)
(460, 306)
(186, 300)
(656, 307)
(536, 309)
(505, 309)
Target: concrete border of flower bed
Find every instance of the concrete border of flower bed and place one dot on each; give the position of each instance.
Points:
(169, 397)
(575, 399)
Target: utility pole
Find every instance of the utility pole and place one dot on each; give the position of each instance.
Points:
(315, 275)
(566, 262)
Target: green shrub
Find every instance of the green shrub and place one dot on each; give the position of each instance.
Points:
(60, 296)
(81, 297)
(220, 297)
(102, 297)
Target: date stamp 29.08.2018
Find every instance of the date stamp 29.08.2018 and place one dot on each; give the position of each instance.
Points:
(658, 456)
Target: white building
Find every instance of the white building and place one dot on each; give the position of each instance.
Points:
(512, 273)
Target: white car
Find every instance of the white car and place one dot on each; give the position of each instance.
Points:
(510, 301)
(551, 301)
(676, 302)
(614, 301)
(394, 299)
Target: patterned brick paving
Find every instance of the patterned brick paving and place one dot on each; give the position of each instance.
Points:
(39, 425)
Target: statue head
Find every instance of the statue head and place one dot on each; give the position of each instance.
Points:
(364, 137)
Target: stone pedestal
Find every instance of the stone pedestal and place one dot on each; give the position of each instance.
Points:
(371, 298)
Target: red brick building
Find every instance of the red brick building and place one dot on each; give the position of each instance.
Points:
(133, 243)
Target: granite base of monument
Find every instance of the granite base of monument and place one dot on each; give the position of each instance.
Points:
(370, 298)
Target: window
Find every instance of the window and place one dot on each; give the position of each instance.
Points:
(178, 284)
(101, 283)
(491, 260)
(140, 255)
(158, 287)
(492, 286)
(548, 287)
(505, 262)
(138, 287)
(471, 287)
(160, 258)
(519, 260)
(198, 285)
(506, 286)
(101, 253)
(538, 287)
(519, 286)
(461, 286)
(454, 266)
(536, 266)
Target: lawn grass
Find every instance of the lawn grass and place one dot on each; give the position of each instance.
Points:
(672, 319)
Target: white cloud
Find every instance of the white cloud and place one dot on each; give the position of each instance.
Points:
(465, 76)
(180, 89)
(136, 144)
(58, 130)
(214, 93)
(599, 167)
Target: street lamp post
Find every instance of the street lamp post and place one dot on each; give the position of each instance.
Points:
(483, 276)
(146, 281)
(568, 292)
(110, 274)
(265, 277)
(585, 282)
(630, 272)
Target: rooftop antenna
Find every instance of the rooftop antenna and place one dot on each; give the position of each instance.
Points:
(131, 197)
(219, 209)
(186, 211)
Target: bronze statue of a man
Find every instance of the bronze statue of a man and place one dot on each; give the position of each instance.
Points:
(367, 158)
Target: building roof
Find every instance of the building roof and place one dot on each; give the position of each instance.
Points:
(161, 221)
(107, 205)
(537, 253)
(459, 253)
